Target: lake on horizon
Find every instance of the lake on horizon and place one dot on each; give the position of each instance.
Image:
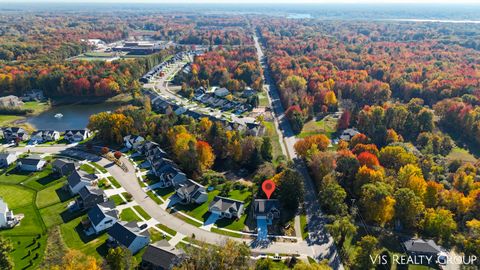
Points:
(74, 116)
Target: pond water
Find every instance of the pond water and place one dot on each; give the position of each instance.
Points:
(74, 116)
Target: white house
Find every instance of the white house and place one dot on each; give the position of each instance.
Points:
(129, 235)
(79, 135)
(7, 158)
(226, 207)
(102, 217)
(221, 92)
(191, 192)
(133, 141)
(79, 179)
(348, 134)
(32, 163)
(41, 136)
(11, 134)
(7, 219)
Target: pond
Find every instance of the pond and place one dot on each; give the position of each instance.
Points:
(74, 116)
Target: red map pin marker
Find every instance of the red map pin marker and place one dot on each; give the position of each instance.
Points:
(268, 187)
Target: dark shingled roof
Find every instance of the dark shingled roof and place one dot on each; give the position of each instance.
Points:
(224, 204)
(422, 246)
(31, 160)
(125, 233)
(162, 254)
(102, 210)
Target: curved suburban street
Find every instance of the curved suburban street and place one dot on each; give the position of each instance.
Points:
(129, 182)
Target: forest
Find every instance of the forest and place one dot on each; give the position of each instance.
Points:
(411, 90)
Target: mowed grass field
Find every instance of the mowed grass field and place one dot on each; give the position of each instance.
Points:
(42, 200)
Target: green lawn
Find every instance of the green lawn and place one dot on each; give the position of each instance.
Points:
(5, 120)
(461, 154)
(142, 212)
(166, 229)
(54, 214)
(155, 235)
(199, 212)
(99, 167)
(87, 168)
(232, 234)
(271, 132)
(73, 236)
(117, 199)
(128, 215)
(22, 245)
(232, 224)
(16, 196)
(51, 195)
(151, 194)
(303, 226)
(165, 193)
(263, 99)
(326, 126)
(240, 195)
(114, 182)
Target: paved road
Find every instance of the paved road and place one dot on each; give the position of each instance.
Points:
(129, 182)
(319, 240)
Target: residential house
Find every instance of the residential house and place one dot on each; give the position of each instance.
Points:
(170, 175)
(10, 101)
(423, 248)
(129, 235)
(7, 158)
(348, 134)
(80, 179)
(41, 136)
(191, 192)
(63, 167)
(90, 196)
(31, 163)
(77, 135)
(221, 92)
(146, 147)
(7, 219)
(34, 95)
(161, 256)
(133, 141)
(226, 207)
(266, 209)
(102, 217)
(11, 134)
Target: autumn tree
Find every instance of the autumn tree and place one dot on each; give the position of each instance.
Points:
(341, 228)
(377, 203)
(396, 157)
(230, 255)
(111, 127)
(332, 197)
(266, 149)
(408, 207)
(366, 248)
(439, 223)
(205, 155)
(120, 258)
(290, 189)
(75, 260)
(368, 159)
(6, 261)
(319, 142)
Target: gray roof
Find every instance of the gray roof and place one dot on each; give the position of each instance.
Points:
(422, 246)
(5, 155)
(263, 206)
(190, 187)
(61, 162)
(162, 254)
(88, 191)
(31, 160)
(101, 211)
(77, 176)
(125, 233)
(225, 204)
(43, 132)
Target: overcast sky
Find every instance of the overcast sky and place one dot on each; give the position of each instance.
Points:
(266, 1)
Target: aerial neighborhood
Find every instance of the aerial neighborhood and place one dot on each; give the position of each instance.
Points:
(150, 136)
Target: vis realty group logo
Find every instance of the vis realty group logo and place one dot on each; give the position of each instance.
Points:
(441, 259)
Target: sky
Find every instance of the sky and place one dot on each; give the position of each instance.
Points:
(266, 1)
